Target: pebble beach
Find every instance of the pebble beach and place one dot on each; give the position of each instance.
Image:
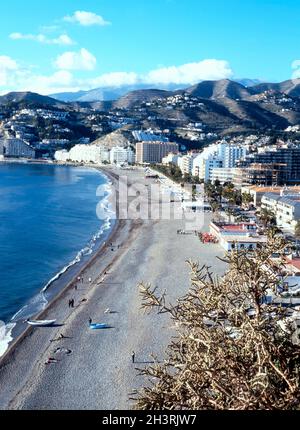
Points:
(93, 369)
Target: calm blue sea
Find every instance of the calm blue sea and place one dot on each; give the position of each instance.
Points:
(47, 221)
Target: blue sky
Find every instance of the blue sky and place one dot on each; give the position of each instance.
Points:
(63, 45)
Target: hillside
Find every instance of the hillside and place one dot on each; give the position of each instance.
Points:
(30, 99)
(140, 96)
(290, 87)
(219, 89)
(199, 113)
(116, 138)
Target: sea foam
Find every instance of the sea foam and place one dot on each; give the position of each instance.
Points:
(5, 336)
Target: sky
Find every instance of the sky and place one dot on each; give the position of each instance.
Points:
(70, 45)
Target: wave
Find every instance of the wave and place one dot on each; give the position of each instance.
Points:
(5, 336)
(36, 304)
(86, 251)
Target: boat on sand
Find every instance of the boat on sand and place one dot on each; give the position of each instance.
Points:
(98, 326)
(41, 323)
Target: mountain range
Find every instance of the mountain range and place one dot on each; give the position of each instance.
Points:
(223, 107)
(113, 93)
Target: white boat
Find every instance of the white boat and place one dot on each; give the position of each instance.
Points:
(41, 323)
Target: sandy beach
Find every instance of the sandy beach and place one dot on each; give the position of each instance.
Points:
(94, 368)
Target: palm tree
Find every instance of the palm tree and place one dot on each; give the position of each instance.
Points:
(267, 217)
(215, 205)
(247, 199)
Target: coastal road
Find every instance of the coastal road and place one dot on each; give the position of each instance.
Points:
(98, 373)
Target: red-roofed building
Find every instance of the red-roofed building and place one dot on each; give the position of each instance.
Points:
(242, 236)
(244, 228)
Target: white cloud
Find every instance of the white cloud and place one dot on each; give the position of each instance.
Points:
(7, 67)
(117, 79)
(63, 39)
(14, 77)
(59, 81)
(86, 19)
(81, 60)
(296, 68)
(190, 73)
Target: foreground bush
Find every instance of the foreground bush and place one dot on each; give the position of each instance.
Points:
(232, 350)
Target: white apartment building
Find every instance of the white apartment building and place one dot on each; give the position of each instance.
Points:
(222, 174)
(104, 154)
(217, 156)
(62, 156)
(186, 163)
(202, 167)
(285, 207)
(230, 154)
(120, 155)
(84, 154)
(170, 158)
(97, 154)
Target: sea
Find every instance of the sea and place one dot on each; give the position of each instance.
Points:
(49, 228)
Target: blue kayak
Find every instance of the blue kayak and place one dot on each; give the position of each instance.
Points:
(98, 326)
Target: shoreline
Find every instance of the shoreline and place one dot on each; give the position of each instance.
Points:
(98, 373)
(122, 232)
(17, 332)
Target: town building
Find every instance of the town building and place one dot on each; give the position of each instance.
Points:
(240, 236)
(62, 156)
(170, 158)
(273, 166)
(84, 154)
(257, 174)
(257, 192)
(222, 174)
(148, 136)
(186, 164)
(286, 209)
(218, 156)
(154, 152)
(120, 155)
(96, 154)
(16, 148)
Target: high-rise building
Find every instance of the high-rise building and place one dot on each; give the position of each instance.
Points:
(18, 148)
(154, 152)
(218, 156)
(120, 155)
(283, 165)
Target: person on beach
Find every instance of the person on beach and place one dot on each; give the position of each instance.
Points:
(133, 356)
(79, 278)
(76, 287)
(90, 321)
(90, 280)
(51, 360)
(60, 337)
